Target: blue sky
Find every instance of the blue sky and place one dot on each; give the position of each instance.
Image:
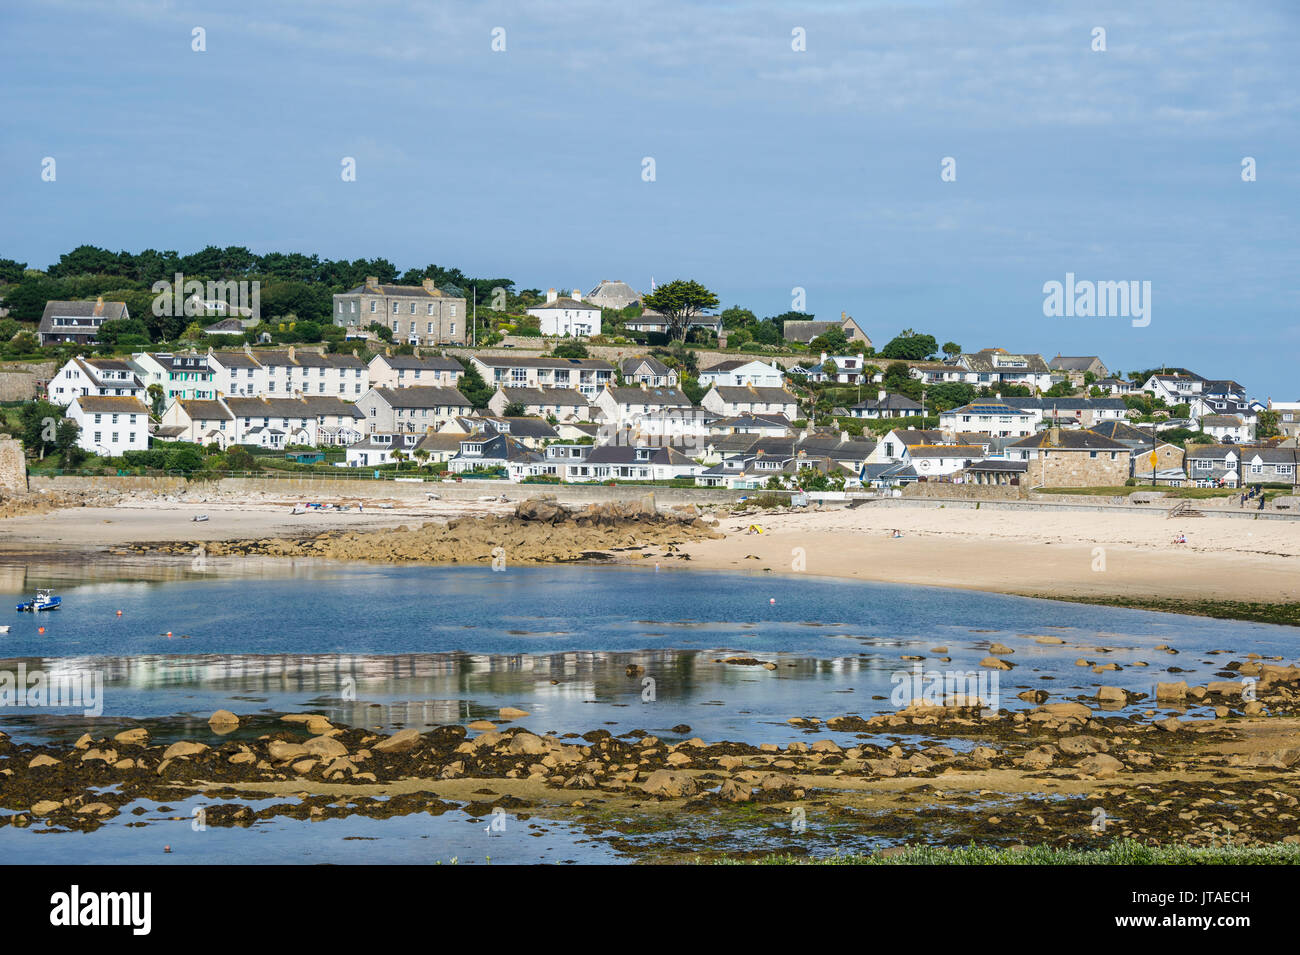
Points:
(775, 168)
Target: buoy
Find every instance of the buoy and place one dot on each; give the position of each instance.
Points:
(119, 613)
(167, 848)
(771, 600)
(169, 634)
(40, 629)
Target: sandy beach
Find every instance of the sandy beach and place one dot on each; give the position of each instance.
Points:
(1082, 555)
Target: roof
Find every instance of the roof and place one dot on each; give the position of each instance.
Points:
(1073, 363)
(805, 331)
(668, 397)
(421, 363)
(510, 361)
(945, 451)
(1221, 421)
(997, 465)
(894, 402)
(997, 360)
(565, 301)
(422, 396)
(200, 408)
(987, 406)
(1082, 440)
(615, 294)
(536, 428)
(733, 394)
(97, 310)
(568, 397)
(116, 404)
(629, 365)
(440, 441)
(397, 291)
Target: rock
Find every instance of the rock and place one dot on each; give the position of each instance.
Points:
(223, 721)
(239, 758)
(1171, 725)
(730, 762)
(183, 748)
(132, 737)
(527, 744)
(512, 713)
(1112, 694)
(1171, 692)
(776, 781)
(733, 790)
(678, 759)
(1253, 708)
(45, 807)
(1060, 711)
(400, 742)
(826, 746)
(95, 808)
(83, 742)
(1048, 640)
(1032, 696)
(326, 746)
(304, 766)
(481, 725)
(993, 663)
(1038, 758)
(1000, 649)
(1100, 765)
(280, 751)
(1081, 745)
(315, 723)
(664, 782)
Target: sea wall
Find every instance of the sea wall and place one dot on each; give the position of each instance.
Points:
(13, 465)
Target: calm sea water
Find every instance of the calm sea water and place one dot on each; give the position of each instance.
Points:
(424, 646)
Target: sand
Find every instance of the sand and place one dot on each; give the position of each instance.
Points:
(1086, 554)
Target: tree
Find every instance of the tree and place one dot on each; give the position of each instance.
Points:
(910, 346)
(38, 423)
(421, 455)
(780, 320)
(1266, 425)
(569, 350)
(678, 302)
(951, 349)
(1062, 389)
(830, 369)
(832, 340)
(156, 397)
(514, 410)
(473, 387)
(185, 458)
(737, 317)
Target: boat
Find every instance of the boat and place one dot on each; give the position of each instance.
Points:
(4, 628)
(200, 517)
(44, 600)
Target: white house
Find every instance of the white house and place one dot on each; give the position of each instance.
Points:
(738, 373)
(101, 377)
(200, 421)
(378, 448)
(180, 375)
(728, 401)
(563, 404)
(987, 414)
(939, 460)
(1226, 428)
(570, 316)
(406, 371)
(416, 409)
(646, 370)
(110, 425)
(587, 375)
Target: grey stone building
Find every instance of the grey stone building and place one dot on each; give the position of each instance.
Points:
(416, 314)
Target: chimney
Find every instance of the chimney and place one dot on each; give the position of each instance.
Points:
(577, 295)
(428, 285)
(880, 395)
(1054, 436)
(372, 281)
(997, 395)
(416, 350)
(844, 436)
(823, 358)
(99, 305)
(550, 296)
(292, 352)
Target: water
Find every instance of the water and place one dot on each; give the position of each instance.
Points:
(425, 646)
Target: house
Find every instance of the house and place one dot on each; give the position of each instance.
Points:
(381, 447)
(200, 421)
(729, 401)
(1230, 465)
(1226, 428)
(647, 370)
(996, 471)
(739, 372)
(1079, 366)
(440, 447)
(1115, 386)
(77, 321)
(991, 367)
(110, 425)
(848, 369)
(1174, 389)
(281, 373)
(893, 446)
(102, 377)
(587, 375)
(418, 314)
(277, 422)
(941, 460)
(227, 326)
(651, 321)
(1080, 458)
(1169, 457)
(532, 433)
(988, 414)
(631, 463)
(615, 295)
(1268, 465)
(414, 409)
(1206, 406)
(567, 316)
(644, 410)
(492, 450)
(804, 332)
(403, 371)
(1288, 416)
(1086, 411)
(886, 406)
(759, 426)
(180, 375)
(238, 373)
(564, 404)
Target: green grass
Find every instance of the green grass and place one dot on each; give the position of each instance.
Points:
(1122, 852)
(1197, 493)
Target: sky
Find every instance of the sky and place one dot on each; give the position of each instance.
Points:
(796, 146)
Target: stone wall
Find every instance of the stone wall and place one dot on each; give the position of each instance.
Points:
(935, 490)
(17, 386)
(13, 465)
(1061, 468)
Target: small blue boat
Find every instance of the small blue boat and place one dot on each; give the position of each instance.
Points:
(44, 600)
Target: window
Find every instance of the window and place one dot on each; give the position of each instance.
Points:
(430, 308)
(372, 306)
(412, 308)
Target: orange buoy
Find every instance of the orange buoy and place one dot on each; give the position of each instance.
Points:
(40, 629)
(169, 634)
(119, 613)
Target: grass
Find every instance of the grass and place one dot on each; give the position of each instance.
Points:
(1121, 852)
(1197, 493)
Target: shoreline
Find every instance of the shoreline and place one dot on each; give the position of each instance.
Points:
(1226, 570)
